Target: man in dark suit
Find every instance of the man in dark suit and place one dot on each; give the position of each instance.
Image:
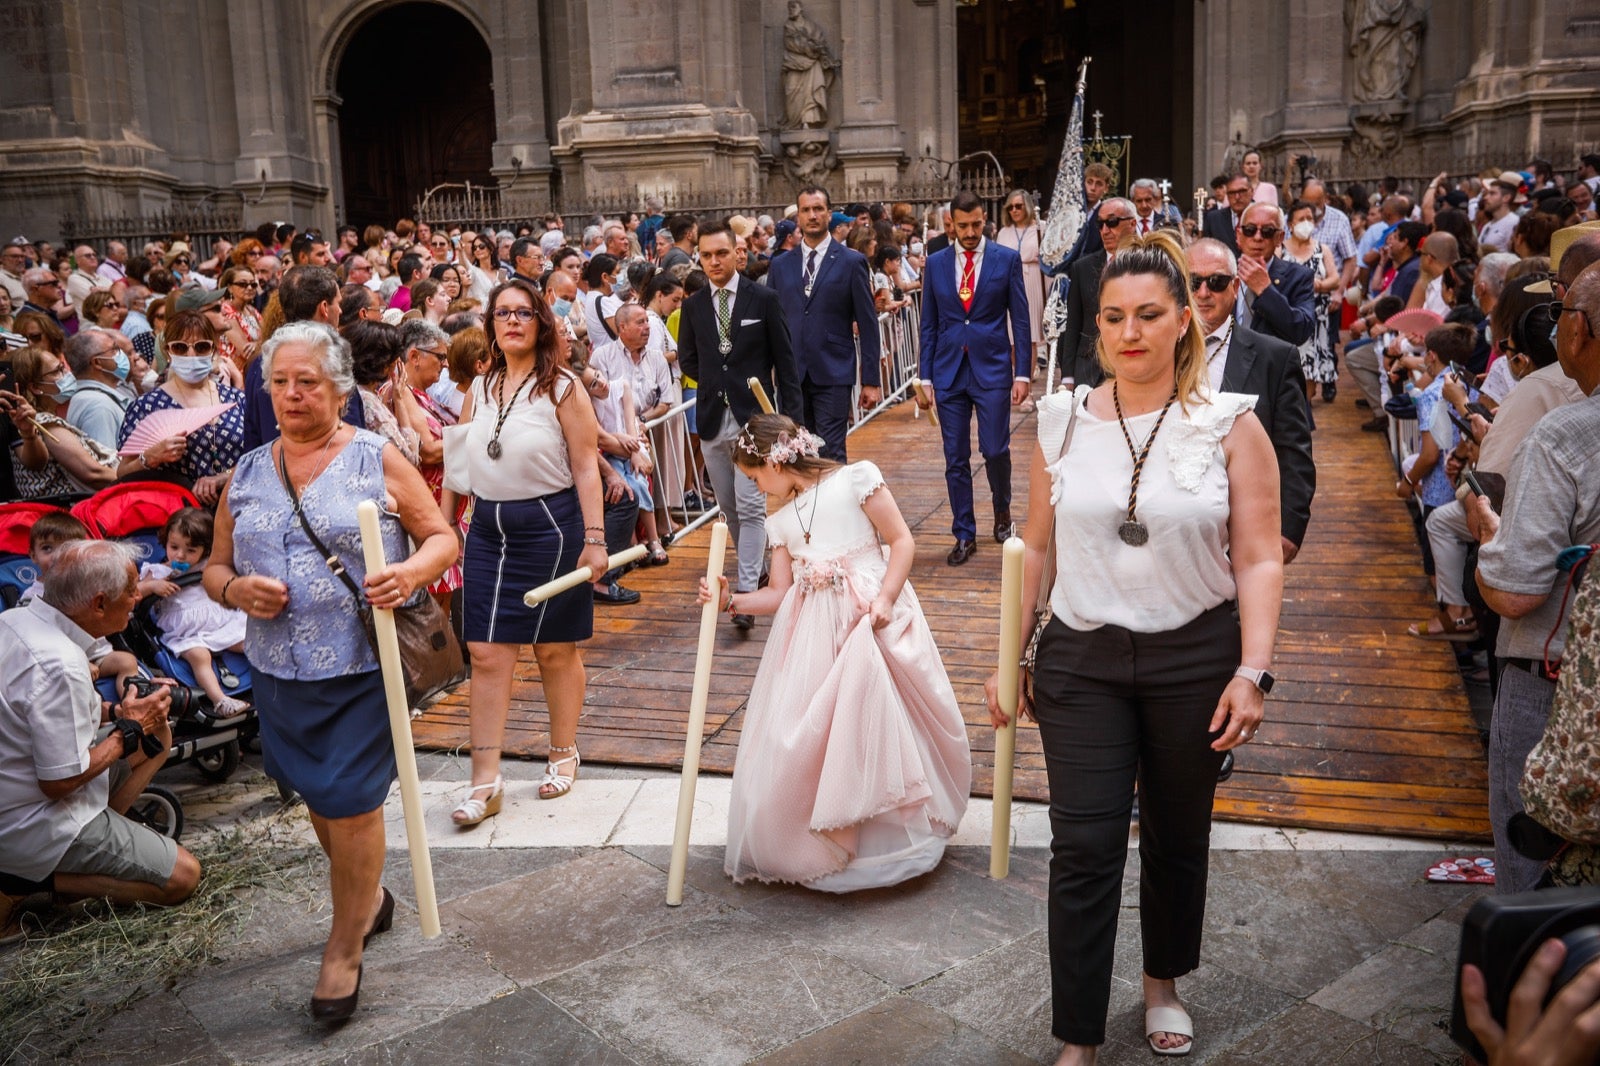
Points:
(1241, 360)
(1220, 223)
(1075, 349)
(826, 293)
(728, 332)
(1275, 296)
(970, 292)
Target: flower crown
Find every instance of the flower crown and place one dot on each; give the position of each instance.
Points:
(785, 449)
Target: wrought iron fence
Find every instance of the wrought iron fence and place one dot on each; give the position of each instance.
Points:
(200, 227)
(1413, 167)
(510, 209)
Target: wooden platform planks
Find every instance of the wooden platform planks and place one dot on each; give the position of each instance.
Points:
(1368, 729)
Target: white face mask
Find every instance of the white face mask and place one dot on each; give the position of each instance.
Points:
(150, 380)
(1304, 230)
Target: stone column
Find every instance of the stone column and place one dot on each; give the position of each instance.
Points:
(870, 149)
(666, 89)
(276, 167)
(522, 140)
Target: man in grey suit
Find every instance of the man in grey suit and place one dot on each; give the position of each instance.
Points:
(1075, 351)
(1242, 360)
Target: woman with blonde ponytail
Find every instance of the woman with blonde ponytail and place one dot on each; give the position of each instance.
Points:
(1153, 659)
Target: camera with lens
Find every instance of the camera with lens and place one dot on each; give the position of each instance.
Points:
(184, 699)
(1500, 936)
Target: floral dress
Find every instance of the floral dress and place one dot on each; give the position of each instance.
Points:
(1316, 354)
(433, 474)
(249, 323)
(214, 448)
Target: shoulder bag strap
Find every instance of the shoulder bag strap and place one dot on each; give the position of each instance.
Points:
(335, 564)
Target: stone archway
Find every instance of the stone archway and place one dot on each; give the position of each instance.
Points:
(415, 108)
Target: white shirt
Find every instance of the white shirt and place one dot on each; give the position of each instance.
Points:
(49, 713)
(596, 307)
(1183, 570)
(961, 262)
(1217, 361)
(817, 255)
(1498, 233)
(1433, 297)
(533, 461)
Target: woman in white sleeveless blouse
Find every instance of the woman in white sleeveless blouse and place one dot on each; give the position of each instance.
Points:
(1163, 506)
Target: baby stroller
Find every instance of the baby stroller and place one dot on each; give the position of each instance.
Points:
(133, 513)
(17, 572)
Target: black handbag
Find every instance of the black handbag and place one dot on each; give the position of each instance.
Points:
(430, 656)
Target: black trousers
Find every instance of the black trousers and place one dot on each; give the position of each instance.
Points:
(1115, 707)
(827, 414)
(620, 519)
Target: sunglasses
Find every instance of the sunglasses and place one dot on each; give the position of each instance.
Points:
(254, 253)
(1214, 282)
(1250, 229)
(185, 262)
(181, 348)
(1114, 221)
(441, 356)
(1231, 193)
(248, 284)
(523, 314)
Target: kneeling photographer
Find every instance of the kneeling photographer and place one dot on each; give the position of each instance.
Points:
(62, 793)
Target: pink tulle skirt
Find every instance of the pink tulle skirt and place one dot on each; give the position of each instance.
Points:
(853, 766)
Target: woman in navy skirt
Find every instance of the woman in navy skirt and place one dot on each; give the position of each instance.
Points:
(324, 719)
(532, 463)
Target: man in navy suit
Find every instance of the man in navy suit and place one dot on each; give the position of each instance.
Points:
(970, 292)
(728, 332)
(1275, 295)
(826, 293)
(1222, 223)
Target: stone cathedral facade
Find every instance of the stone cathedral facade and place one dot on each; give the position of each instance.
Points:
(325, 111)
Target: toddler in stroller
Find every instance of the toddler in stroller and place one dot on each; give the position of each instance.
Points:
(192, 625)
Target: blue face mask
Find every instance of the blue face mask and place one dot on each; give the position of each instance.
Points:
(562, 308)
(121, 367)
(180, 568)
(192, 369)
(66, 385)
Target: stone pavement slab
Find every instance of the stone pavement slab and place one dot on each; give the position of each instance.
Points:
(719, 991)
(897, 1032)
(535, 926)
(912, 931)
(1305, 1033)
(512, 1030)
(1404, 989)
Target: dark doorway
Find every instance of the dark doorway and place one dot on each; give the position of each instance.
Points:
(414, 114)
(1019, 67)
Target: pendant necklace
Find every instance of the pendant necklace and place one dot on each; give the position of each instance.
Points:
(494, 449)
(1133, 532)
(805, 529)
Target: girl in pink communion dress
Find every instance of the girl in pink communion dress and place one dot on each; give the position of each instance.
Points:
(853, 765)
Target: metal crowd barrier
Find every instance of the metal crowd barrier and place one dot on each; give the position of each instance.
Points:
(681, 492)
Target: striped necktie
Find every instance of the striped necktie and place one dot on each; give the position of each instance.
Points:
(811, 269)
(724, 315)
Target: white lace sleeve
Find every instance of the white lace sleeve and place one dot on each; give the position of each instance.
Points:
(865, 479)
(1055, 417)
(1195, 439)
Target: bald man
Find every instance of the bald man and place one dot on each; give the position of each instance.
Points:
(1439, 253)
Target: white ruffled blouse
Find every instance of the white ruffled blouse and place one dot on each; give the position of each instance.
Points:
(1183, 569)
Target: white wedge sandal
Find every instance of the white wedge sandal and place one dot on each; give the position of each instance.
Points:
(559, 784)
(474, 809)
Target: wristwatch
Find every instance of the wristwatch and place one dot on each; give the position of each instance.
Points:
(132, 734)
(1261, 679)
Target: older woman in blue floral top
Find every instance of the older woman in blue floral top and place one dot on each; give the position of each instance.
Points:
(324, 720)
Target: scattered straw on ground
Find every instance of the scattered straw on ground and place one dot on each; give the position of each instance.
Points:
(91, 960)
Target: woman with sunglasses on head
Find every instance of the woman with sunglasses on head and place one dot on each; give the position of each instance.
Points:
(1161, 499)
(533, 464)
(483, 268)
(1019, 231)
(207, 455)
(243, 334)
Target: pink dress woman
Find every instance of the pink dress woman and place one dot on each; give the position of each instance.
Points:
(853, 766)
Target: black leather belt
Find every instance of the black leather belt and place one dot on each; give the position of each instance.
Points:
(1536, 667)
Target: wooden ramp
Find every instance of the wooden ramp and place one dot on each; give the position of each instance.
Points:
(1368, 729)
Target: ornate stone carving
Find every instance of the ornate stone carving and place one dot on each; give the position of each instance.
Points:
(808, 159)
(1385, 40)
(809, 66)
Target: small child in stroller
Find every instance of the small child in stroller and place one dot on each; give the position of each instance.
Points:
(192, 625)
(46, 537)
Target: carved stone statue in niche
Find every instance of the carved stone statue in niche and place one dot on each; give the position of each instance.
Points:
(808, 161)
(808, 71)
(1385, 40)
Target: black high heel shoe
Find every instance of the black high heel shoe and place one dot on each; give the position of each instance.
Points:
(337, 1010)
(383, 921)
